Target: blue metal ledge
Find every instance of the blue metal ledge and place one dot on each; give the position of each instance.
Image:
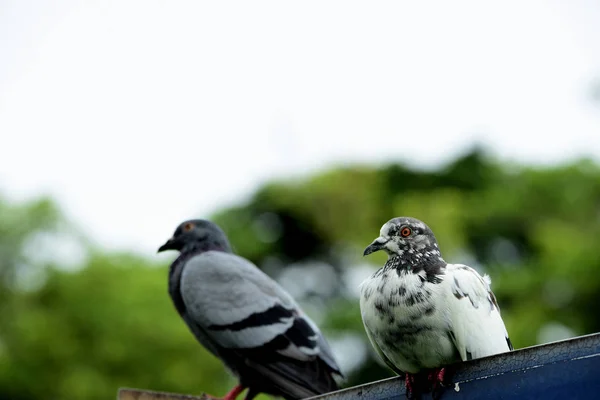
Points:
(568, 369)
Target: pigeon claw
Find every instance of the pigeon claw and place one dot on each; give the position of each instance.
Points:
(437, 378)
(409, 383)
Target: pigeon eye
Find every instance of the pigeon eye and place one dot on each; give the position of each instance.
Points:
(188, 227)
(405, 232)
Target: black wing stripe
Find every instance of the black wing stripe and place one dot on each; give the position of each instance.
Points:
(510, 345)
(270, 316)
(301, 334)
(298, 335)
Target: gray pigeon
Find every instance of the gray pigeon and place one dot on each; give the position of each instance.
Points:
(245, 318)
(421, 313)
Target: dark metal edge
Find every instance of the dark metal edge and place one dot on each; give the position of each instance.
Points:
(520, 359)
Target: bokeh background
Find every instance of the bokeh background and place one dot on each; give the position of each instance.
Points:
(300, 128)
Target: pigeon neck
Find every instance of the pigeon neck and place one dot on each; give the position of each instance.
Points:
(195, 248)
(416, 261)
(175, 282)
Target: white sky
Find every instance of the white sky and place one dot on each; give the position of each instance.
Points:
(136, 115)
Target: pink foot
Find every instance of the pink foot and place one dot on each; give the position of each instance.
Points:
(436, 378)
(231, 395)
(409, 383)
(440, 376)
(432, 376)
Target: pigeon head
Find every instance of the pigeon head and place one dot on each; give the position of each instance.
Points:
(197, 234)
(404, 235)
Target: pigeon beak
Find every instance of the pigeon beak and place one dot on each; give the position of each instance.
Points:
(377, 245)
(169, 245)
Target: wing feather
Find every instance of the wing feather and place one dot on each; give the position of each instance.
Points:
(477, 326)
(242, 311)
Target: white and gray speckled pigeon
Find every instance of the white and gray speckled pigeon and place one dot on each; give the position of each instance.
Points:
(245, 318)
(421, 313)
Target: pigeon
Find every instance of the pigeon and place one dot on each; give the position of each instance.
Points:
(246, 319)
(421, 313)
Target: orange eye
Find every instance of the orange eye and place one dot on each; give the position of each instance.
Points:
(188, 227)
(405, 232)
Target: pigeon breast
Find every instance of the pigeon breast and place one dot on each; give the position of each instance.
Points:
(406, 318)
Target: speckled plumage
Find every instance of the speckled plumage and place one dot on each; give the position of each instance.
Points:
(423, 313)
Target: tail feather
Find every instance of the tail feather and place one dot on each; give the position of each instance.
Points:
(297, 380)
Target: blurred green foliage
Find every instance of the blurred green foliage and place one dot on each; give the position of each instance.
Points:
(84, 332)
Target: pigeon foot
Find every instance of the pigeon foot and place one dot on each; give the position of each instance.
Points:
(410, 384)
(231, 395)
(438, 379)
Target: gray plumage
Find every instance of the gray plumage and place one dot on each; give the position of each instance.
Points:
(423, 313)
(245, 318)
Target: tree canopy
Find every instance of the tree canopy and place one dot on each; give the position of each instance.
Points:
(107, 322)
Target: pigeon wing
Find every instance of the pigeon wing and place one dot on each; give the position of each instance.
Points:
(243, 311)
(477, 328)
